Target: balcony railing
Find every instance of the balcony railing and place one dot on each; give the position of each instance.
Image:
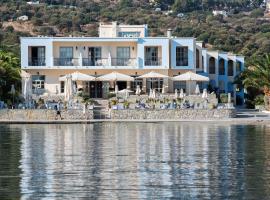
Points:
(123, 61)
(66, 62)
(152, 62)
(95, 62)
(36, 62)
(109, 62)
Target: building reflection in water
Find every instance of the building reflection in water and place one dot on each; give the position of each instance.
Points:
(141, 160)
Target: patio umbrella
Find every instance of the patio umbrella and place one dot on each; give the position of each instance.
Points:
(116, 90)
(27, 88)
(138, 90)
(151, 93)
(78, 76)
(190, 76)
(126, 92)
(163, 89)
(115, 76)
(176, 93)
(197, 90)
(68, 88)
(204, 95)
(181, 95)
(154, 94)
(153, 74)
(229, 98)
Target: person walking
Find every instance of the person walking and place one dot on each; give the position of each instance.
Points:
(58, 111)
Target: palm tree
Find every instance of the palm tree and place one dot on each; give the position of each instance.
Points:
(257, 76)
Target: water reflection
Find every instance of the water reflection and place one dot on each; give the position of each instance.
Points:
(138, 160)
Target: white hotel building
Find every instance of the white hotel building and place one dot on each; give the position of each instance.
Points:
(128, 50)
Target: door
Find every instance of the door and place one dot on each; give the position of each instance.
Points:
(95, 89)
(94, 54)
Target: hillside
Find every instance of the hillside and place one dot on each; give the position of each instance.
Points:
(245, 31)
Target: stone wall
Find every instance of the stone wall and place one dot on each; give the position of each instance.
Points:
(43, 114)
(174, 114)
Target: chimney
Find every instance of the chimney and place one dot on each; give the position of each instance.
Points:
(169, 33)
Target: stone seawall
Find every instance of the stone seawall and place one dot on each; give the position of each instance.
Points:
(40, 114)
(174, 114)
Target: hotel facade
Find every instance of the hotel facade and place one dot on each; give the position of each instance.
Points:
(126, 49)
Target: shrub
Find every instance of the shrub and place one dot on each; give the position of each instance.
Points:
(259, 100)
(224, 98)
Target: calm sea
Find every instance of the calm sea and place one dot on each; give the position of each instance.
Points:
(135, 161)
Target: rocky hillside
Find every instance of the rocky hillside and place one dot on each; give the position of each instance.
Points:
(244, 29)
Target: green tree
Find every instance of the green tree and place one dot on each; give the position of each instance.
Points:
(9, 74)
(257, 76)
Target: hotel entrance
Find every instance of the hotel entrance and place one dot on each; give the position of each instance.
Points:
(95, 89)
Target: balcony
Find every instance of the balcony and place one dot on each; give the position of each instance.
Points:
(36, 62)
(153, 62)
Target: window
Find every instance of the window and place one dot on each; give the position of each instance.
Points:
(123, 56)
(62, 86)
(212, 65)
(66, 56)
(238, 67)
(221, 67)
(151, 56)
(66, 52)
(94, 55)
(38, 82)
(230, 68)
(37, 56)
(197, 58)
(181, 56)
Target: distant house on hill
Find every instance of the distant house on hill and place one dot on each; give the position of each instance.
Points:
(22, 18)
(33, 2)
(220, 12)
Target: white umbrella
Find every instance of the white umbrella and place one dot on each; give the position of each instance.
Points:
(153, 74)
(197, 90)
(68, 88)
(27, 88)
(154, 94)
(138, 90)
(125, 91)
(78, 76)
(176, 93)
(204, 95)
(190, 76)
(229, 98)
(163, 89)
(181, 95)
(116, 90)
(151, 93)
(115, 76)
